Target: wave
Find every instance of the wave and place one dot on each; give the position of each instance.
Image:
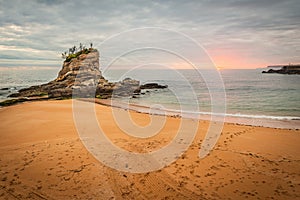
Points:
(195, 114)
(285, 122)
(237, 115)
(264, 116)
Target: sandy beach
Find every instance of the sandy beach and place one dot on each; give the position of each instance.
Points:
(42, 157)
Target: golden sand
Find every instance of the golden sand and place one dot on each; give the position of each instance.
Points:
(42, 157)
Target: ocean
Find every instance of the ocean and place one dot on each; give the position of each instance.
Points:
(251, 97)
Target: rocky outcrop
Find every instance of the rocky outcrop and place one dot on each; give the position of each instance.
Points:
(289, 69)
(81, 77)
(153, 86)
(83, 70)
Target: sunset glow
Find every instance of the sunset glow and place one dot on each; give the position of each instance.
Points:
(232, 34)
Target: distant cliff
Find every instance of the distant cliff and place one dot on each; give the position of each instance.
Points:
(287, 69)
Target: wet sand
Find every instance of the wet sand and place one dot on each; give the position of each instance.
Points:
(42, 157)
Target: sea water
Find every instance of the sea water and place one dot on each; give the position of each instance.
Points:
(16, 78)
(251, 97)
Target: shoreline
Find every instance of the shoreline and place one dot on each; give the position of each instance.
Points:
(43, 156)
(279, 122)
(293, 123)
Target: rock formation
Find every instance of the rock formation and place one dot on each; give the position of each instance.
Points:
(80, 77)
(288, 69)
(153, 86)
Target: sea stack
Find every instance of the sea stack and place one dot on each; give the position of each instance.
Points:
(80, 77)
(62, 86)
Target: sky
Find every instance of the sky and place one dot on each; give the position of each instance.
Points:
(232, 33)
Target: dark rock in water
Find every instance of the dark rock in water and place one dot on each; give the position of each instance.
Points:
(4, 88)
(289, 69)
(19, 100)
(12, 101)
(127, 86)
(153, 86)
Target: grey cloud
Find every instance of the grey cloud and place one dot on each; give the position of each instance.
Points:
(53, 26)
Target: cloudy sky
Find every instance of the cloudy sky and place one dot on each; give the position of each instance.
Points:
(234, 33)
